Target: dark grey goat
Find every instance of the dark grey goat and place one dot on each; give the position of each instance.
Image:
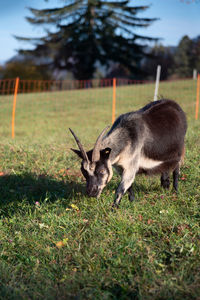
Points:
(149, 141)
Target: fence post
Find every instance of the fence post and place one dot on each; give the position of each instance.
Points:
(194, 74)
(114, 100)
(14, 106)
(197, 97)
(157, 82)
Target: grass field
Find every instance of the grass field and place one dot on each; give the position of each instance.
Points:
(56, 243)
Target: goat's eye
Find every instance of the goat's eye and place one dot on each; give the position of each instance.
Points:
(102, 171)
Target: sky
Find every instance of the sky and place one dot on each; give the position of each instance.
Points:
(176, 19)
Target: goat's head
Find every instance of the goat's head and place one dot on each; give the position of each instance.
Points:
(95, 166)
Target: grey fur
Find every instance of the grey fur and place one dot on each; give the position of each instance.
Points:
(150, 141)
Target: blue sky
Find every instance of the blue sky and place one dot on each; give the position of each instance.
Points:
(177, 18)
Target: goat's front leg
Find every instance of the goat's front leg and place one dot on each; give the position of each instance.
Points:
(131, 194)
(128, 177)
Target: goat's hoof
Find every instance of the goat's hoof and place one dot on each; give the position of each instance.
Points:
(114, 207)
(165, 184)
(131, 198)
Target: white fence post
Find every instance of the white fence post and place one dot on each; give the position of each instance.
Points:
(157, 82)
(194, 74)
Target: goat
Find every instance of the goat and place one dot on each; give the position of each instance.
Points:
(149, 141)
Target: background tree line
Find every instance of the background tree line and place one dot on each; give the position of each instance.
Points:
(176, 62)
(87, 39)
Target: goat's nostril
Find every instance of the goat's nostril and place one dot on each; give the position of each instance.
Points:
(92, 192)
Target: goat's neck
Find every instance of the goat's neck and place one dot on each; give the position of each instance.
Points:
(111, 142)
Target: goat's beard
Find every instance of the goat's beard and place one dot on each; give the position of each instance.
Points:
(100, 190)
(99, 193)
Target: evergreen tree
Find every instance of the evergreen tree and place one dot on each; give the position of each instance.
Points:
(89, 34)
(195, 61)
(183, 58)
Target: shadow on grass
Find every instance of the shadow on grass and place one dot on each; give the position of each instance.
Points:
(142, 188)
(119, 292)
(31, 188)
(139, 185)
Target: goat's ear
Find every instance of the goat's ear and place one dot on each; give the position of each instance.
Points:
(77, 152)
(105, 153)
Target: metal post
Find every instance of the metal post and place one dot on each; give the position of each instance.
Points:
(157, 82)
(194, 74)
(114, 100)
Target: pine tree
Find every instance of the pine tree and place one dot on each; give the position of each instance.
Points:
(196, 54)
(183, 57)
(90, 33)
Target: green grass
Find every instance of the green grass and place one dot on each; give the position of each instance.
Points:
(148, 249)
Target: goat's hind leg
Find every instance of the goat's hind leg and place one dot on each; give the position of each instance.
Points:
(176, 177)
(164, 180)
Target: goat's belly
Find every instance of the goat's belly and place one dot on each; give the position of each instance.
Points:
(149, 166)
(148, 163)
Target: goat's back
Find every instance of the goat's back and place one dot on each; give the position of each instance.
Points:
(166, 124)
(161, 125)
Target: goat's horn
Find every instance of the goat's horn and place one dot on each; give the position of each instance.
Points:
(85, 157)
(96, 150)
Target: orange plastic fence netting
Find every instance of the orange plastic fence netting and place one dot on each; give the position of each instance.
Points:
(7, 86)
(38, 86)
(46, 108)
